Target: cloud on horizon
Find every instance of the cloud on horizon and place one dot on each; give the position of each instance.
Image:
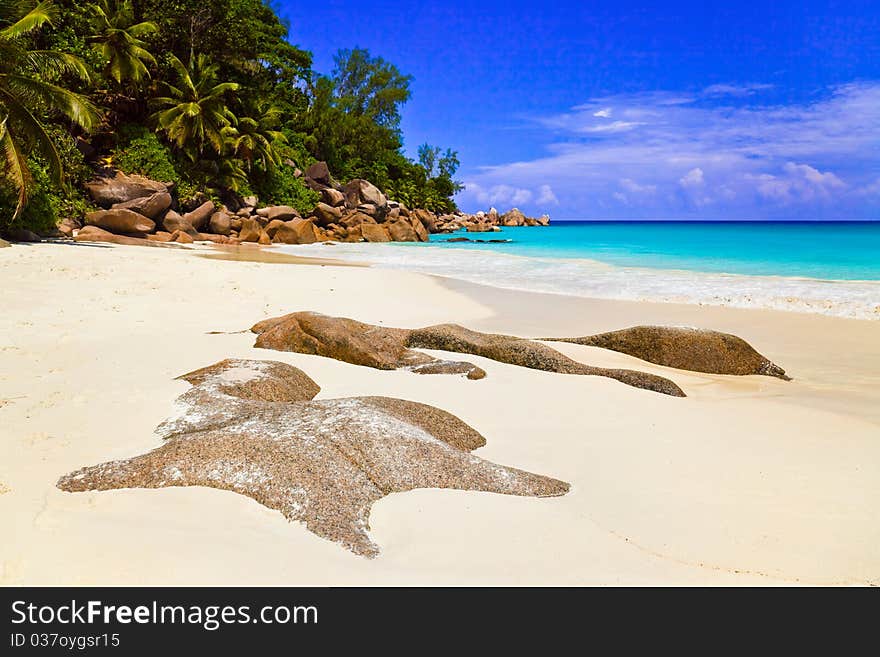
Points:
(719, 153)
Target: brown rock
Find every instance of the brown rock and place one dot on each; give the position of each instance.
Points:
(264, 240)
(391, 348)
(199, 217)
(272, 227)
(401, 231)
(282, 212)
(319, 173)
(513, 218)
(174, 222)
(339, 338)
(420, 230)
(152, 206)
(68, 226)
(374, 233)
(120, 188)
(355, 233)
(181, 237)
(359, 191)
(120, 221)
(370, 210)
(250, 230)
(332, 197)
(159, 236)
(235, 224)
(296, 231)
(480, 228)
(220, 223)
(95, 234)
(4, 244)
(698, 350)
(427, 218)
(210, 237)
(351, 219)
(327, 214)
(244, 427)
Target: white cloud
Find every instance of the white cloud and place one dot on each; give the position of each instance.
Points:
(871, 189)
(615, 126)
(603, 113)
(753, 159)
(632, 186)
(505, 195)
(693, 178)
(740, 90)
(797, 183)
(546, 196)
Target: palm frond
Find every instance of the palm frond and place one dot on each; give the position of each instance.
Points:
(14, 168)
(35, 132)
(75, 107)
(43, 13)
(54, 63)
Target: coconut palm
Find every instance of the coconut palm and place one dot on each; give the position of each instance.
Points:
(29, 90)
(253, 141)
(118, 40)
(196, 110)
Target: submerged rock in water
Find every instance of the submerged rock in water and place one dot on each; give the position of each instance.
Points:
(698, 350)
(251, 427)
(392, 348)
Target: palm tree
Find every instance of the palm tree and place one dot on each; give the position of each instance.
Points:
(118, 40)
(195, 111)
(28, 91)
(253, 140)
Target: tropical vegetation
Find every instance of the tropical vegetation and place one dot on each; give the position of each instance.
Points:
(206, 94)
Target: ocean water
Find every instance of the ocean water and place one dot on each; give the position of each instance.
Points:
(822, 267)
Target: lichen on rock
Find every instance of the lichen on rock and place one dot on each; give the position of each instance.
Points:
(253, 428)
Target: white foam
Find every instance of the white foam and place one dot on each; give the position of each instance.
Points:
(589, 278)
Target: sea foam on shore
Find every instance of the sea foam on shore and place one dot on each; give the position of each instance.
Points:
(590, 278)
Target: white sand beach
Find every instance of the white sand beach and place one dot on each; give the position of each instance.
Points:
(746, 481)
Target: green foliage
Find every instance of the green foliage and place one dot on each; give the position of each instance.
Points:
(354, 125)
(196, 111)
(118, 39)
(242, 113)
(48, 203)
(32, 88)
(140, 151)
(281, 187)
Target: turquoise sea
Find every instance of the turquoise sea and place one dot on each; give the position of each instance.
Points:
(823, 250)
(830, 268)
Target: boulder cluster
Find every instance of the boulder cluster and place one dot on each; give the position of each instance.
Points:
(387, 348)
(137, 210)
(484, 222)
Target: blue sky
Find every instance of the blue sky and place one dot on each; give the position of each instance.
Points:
(612, 110)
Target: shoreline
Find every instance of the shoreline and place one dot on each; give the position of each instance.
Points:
(748, 480)
(587, 278)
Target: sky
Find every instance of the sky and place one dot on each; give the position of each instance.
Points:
(633, 110)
